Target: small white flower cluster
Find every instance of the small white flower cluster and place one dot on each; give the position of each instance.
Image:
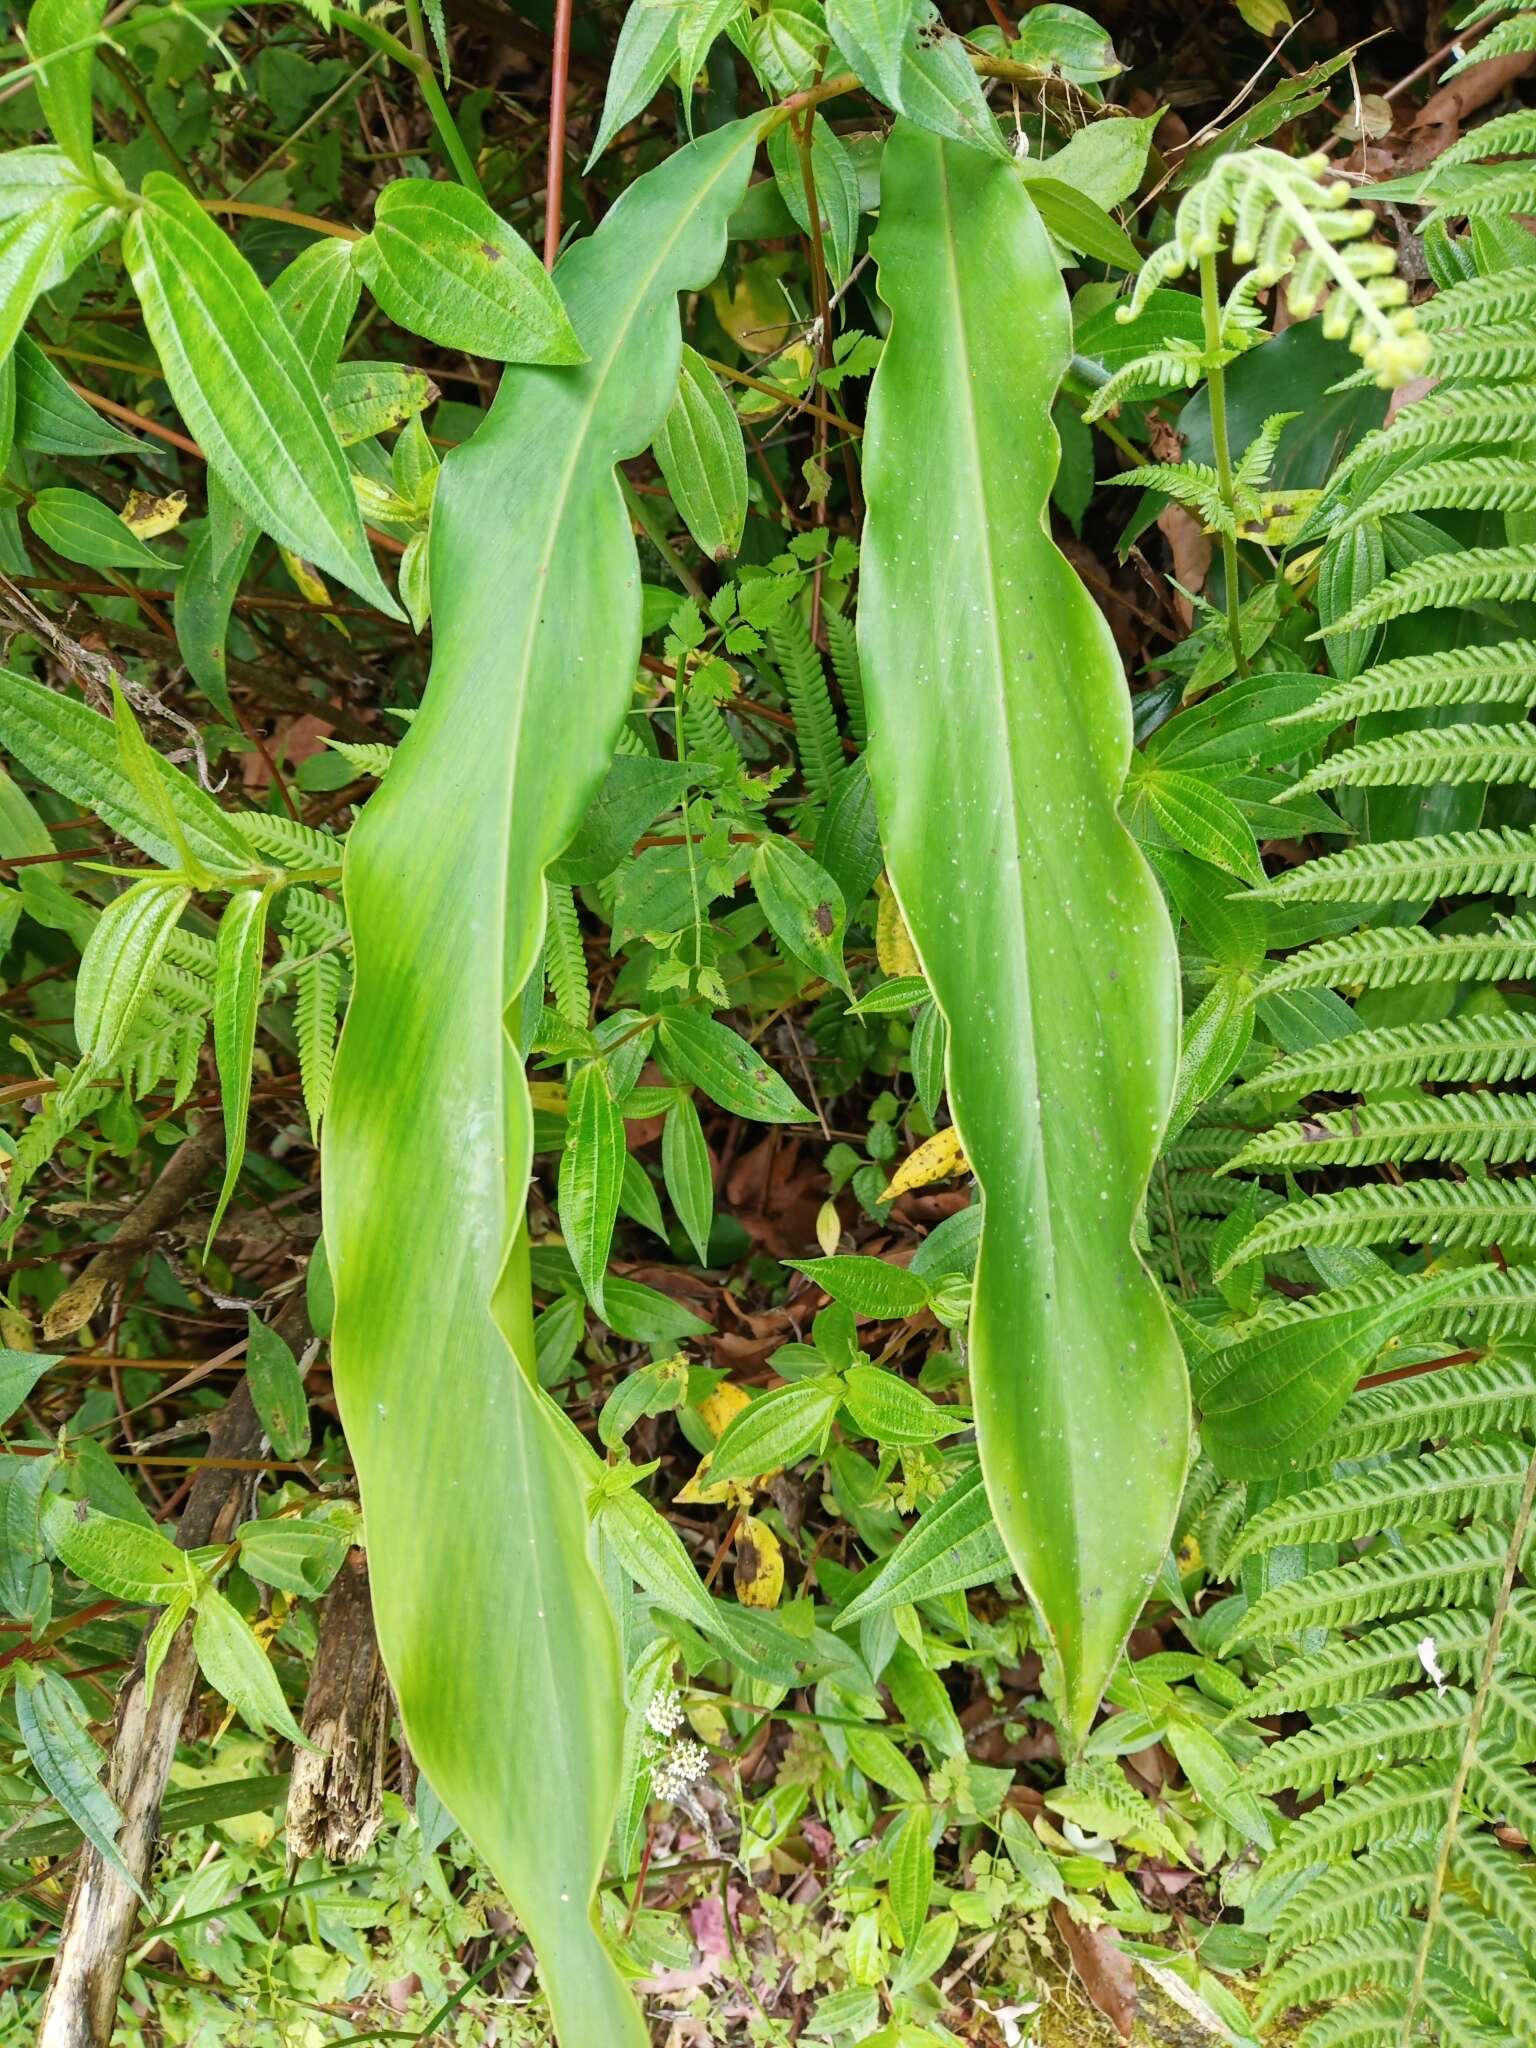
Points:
(678, 1769)
(665, 1715)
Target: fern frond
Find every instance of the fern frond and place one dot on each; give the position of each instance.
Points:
(312, 918)
(1424, 1727)
(1373, 2022)
(1494, 1128)
(317, 983)
(1453, 580)
(1498, 861)
(1502, 1879)
(1510, 38)
(1491, 1963)
(1367, 1958)
(1508, 294)
(1505, 1792)
(843, 646)
(805, 685)
(1388, 1884)
(1435, 1572)
(1407, 1802)
(1465, 1479)
(1489, 483)
(1168, 369)
(287, 841)
(1442, 1212)
(1502, 674)
(1440, 421)
(709, 737)
(1511, 188)
(1485, 1397)
(565, 958)
(1518, 1645)
(1408, 956)
(1194, 485)
(1510, 1722)
(1470, 1047)
(191, 950)
(1502, 351)
(1437, 753)
(1355, 1668)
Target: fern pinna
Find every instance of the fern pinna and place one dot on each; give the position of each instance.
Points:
(1354, 1157)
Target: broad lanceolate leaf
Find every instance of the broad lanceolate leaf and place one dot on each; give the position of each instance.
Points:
(704, 460)
(117, 969)
(61, 43)
(119, 1557)
(803, 905)
(243, 386)
(315, 296)
(30, 246)
(492, 1621)
(75, 751)
(870, 1287)
(776, 1429)
(20, 1372)
(591, 1176)
(996, 702)
(871, 35)
(685, 1167)
(82, 529)
(235, 1664)
(712, 1057)
(1266, 1399)
(442, 264)
(236, 999)
(646, 51)
(54, 420)
(68, 1762)
(277, 1389)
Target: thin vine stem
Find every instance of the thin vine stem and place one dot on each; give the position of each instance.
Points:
(1216, 384)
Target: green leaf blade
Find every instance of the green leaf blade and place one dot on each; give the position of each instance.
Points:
(244, 388)
(997, 705)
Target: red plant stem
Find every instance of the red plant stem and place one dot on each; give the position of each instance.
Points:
(554, 194)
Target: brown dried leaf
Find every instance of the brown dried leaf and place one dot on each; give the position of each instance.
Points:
(1107, 1972)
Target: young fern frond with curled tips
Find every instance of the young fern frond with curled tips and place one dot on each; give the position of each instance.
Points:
(1281, 220)
(1284, 218)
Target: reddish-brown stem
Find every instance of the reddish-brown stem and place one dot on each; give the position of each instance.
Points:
(559, 75)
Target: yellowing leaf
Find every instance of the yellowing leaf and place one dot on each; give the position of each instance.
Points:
(149, 516)
(702, 1491)
(548, 1095)
(893, 942)
(309, 584)
(722, 1406)
(1266, 17)
(935, 1159)
(759, 1572)
(755, 313)
(1283, 515)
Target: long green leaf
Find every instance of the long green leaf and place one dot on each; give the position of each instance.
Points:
(492, 1620)
(1001, 736)
(236, 999)
(69, 1763)
(243, 386)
